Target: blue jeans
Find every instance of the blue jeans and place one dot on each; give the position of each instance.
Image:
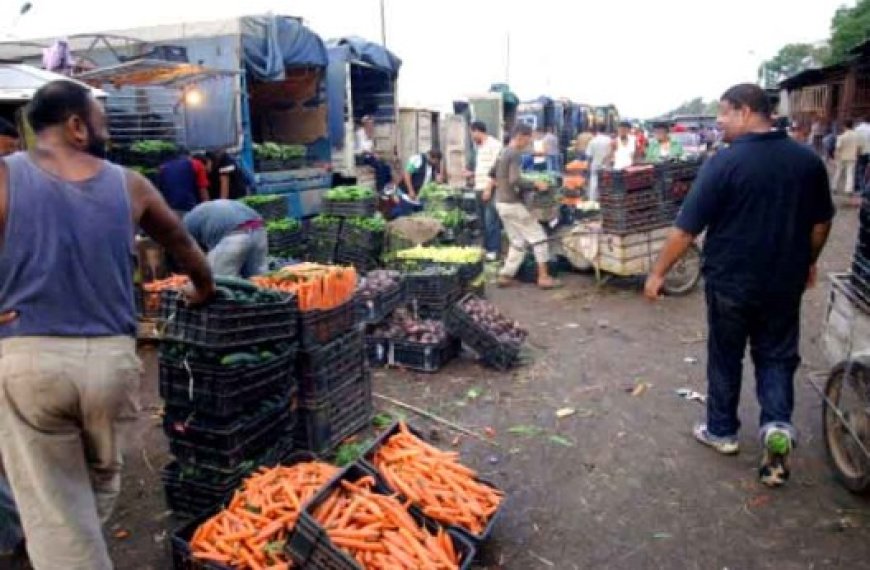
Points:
(383, 172)
(771, 326)
(241, 254)
(491, 225)
(11, 533)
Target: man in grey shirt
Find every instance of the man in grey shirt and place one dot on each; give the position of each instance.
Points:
(234, 236)
(598, 150)
(521, 227)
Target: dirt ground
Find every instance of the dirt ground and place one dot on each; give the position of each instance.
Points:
(618, 484)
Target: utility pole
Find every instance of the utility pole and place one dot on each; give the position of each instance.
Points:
(507, 62)
(383, 25)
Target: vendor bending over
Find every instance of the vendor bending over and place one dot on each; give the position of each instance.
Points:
(521, 227)
(420, 171)
(365, 152)
(234, 236)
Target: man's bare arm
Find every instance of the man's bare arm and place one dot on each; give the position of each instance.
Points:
(818, 239)
(154, 216)
(676, 245)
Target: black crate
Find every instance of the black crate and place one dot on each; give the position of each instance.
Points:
(434, 309)
(225, 324)
(274, 209)
(224, 399)
(626, 180)
(362, 208)
(323, 232)
(285, 240)
(367, 461)
(432, 283)
(310, 547)
(321, 251)
(377, 351)
(325, 369)
(226, 435)
(353, 234)
(631, 201)
(325, 424)
(491, 351)
(189, 497)
(269, 430)
(318, 327)
(423, 357)
(375, 310)
(362, 258)
(182, 558)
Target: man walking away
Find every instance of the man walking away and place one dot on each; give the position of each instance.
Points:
(521, 227)
(765, 205)
(69, 374)
(488, 149)
(598, 152)
(863, 129)
(234, 236)
(849, 147)
(179, 184)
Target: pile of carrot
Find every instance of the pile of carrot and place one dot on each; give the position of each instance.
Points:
(315, 286)
(379, 533)
(436, 482)
(152, 290)
(250, 533)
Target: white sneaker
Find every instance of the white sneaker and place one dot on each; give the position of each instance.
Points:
(724, 445)
(491, 256)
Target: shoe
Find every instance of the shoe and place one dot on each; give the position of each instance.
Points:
(491, 256)
(724, 445)
(774, 470)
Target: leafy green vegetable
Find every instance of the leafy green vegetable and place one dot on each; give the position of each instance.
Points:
(349, 452)
(452, 219)
(525, 430)
(435, 191)
(372, 224)
(383, 420)
(539, 177)
(275, 151)
(322, 221)
(563, 441)
(153, 147)
(349, 194)
(283, 225)
(260, 200)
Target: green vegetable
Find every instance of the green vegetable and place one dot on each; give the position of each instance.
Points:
(275, 151)
(447, 254)
(239, 359)
(449, 219)
(153, 147)
(373, 224)
(349, 194)
(261, 200)
(283, 225)
(322, 221)
(539, 177)
(435, 191)
(349, 452)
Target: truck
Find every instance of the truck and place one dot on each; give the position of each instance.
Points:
(419, 131)
(362, 81)
(271, 89)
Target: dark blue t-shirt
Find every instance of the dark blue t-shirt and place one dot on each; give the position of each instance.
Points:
(758, 200)
(177, 182)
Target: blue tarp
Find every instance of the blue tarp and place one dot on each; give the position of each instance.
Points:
(272, 43)
(351, 50)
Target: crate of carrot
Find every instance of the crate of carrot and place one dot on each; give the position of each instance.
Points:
(435, 482)
(356, 524)
(251, 532)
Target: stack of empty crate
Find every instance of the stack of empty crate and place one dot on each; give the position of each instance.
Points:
(335, 387)
(226, 376)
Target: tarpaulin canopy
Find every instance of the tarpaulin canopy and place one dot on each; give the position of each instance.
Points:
(151, 72)
(272, 43)
(357, 50)
(18, 82)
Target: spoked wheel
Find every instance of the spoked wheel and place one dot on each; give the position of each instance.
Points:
(848, 389)
(685, 274)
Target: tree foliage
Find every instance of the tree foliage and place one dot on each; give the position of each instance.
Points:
(791, 59)
(849, 27)
(696, 106)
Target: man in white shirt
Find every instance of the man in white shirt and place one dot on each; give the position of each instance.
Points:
(863, 129)
(849, 146)
(598, 151)
(487, 151)
(624, 147)
(364, 149)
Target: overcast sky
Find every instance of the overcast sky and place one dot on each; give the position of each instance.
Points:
(644, 56)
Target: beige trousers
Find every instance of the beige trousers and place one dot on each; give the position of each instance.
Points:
(64, 403)
(522, 229)
(847, 168)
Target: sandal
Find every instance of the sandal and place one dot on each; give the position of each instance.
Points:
(503, 281)
(551, 284)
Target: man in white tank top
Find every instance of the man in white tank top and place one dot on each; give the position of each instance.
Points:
(624, 147)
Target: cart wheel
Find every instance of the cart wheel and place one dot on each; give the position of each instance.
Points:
(685, 274)
(847, 389)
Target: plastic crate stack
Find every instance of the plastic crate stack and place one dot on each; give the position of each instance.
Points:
(360, 242)
(631, 201)
(335, 386)
(380, 293)
(860, 277)
(675, 179)
(322, 239)
(226, 377)
(495, 338)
